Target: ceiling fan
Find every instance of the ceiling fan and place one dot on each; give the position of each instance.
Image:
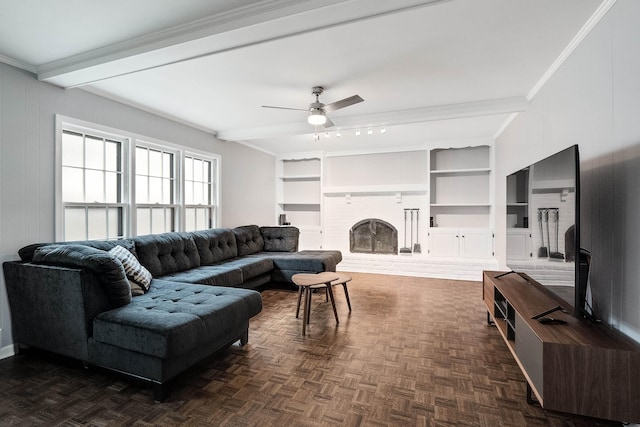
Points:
(318, 111)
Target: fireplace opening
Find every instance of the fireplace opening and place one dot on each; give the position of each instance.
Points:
(373, 236)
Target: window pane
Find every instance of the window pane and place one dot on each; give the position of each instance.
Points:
(142, 189)
(115, 223)
(142, 161)
(112, 158)
(143, 218)
(155, 190)
(198, 188)
(112, 187)
(201, 219)
(188, 168)
(97, 223)
(155, 163)
(74, 224)
(72, 185)
(167, 193)
(207, 195)
(95, 186)
(207, 171)
(158, 221)
(197, 170)
(167, 164)
(188, 192)
(94, 154)
(72, 149)
(190, 219)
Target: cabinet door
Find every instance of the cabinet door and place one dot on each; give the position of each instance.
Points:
(476, 243)
(518, 243)
(309, 240)
(444, 242)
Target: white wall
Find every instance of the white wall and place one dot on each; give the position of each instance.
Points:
(248, 195)
(27, 109)
(593, 101)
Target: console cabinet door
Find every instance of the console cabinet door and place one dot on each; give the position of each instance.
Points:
(476, 243)
(518, 243)
(444, 242)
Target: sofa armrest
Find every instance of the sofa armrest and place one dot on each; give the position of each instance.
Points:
(280, 239)
(52, 308)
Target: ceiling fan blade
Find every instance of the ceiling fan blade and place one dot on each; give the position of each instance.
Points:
(284, 108)
(342, 103)
(328, 123)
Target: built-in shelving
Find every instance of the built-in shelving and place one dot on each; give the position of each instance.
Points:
(299, 196)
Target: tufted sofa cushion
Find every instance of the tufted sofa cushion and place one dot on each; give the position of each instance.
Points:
(280, 239)
(215, 245)
(173, 318)
(167, 253)
(248, 239)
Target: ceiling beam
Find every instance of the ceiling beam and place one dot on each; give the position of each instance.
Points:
(416, 115)
(243, 27)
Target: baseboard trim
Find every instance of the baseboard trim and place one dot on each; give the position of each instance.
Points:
(7, 351)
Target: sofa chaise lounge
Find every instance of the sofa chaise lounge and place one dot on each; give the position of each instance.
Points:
(75, 298)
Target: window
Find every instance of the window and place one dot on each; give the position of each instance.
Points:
(92, 186)
(155, 191)
(112, 184)
(199, 192)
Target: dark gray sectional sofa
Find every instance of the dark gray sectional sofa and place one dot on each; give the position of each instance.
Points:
(74, 298)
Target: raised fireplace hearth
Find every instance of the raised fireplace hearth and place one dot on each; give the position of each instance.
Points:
(373, 236)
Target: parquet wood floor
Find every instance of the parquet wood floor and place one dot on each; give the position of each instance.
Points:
(413, 352)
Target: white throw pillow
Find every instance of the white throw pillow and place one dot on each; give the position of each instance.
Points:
(136, 273)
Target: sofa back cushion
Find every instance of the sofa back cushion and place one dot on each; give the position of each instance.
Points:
(167, 252)
(280, 239)
(107, 268)
(215, 245)
(248, 239)
(26, 253)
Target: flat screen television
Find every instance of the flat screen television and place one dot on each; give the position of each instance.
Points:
(543, 228)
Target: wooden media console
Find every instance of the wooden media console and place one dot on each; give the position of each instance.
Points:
(577, 367)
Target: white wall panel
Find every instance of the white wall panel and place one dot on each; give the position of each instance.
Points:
(592, 101)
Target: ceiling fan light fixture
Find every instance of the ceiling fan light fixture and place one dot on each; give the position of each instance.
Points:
(317, 118)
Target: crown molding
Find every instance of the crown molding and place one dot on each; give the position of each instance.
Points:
(416, 115)
(18, 64)
(597, 16)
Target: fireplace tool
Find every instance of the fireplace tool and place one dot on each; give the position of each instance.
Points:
(405, 249)
(416, 246)
(555, 255)
(543, 252)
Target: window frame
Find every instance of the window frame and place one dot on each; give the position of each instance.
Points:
(130, 141)
(86, 128)
(214, 206)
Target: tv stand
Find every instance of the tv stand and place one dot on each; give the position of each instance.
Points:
(578, 367)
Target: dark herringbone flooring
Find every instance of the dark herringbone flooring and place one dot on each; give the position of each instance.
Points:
(414, 352)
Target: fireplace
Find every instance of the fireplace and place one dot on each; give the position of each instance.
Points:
(373, 236)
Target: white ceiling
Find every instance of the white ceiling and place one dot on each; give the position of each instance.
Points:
(428, 70)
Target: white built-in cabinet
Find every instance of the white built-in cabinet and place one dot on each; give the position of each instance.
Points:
(461, 202)
(298, 194)
(519, 237)
(457, 188)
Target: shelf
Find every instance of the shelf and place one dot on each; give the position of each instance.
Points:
(461, 171)
(376, 189)
(300, 204)
(460, 205)
(300, 178)
(518, 204)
